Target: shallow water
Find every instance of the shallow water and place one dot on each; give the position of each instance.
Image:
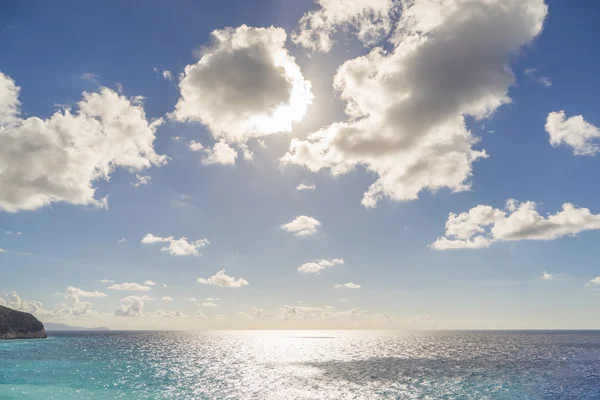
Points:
(303, 365)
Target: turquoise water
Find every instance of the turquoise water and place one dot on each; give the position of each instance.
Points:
(302, 365)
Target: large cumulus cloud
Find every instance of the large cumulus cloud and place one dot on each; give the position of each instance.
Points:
(407, 107)
(245, 85)
(58, 159)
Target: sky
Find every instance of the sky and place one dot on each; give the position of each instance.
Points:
(336, 164)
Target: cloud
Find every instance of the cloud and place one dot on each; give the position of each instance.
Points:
(304, 186)
(167, 75)
(531, 73)
(546, 276)
(14, 301)
(348, 285)
(302, 226)
(131, 306)
(141, 180)
(75, 306)
(105, 281)
(164, 285)
(407, 108)
(245, 85)
(167, 298)
(177, 247)
(121, 241)
(73, 292)
(150, 283)
(595, 281)
(317, 266)
(133, 287)
(90, 76)
(209, 304)
(167, 314)
(221, 153)
(253, 313)
(193, 299)
(483, 225)
(574, 132)
(223, 280)
(370, 20)
(58, 159)
(212, 299)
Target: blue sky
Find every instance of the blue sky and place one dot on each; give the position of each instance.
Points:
(53, 53)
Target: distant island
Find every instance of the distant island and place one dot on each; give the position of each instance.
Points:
(20, 325)
(55, 326)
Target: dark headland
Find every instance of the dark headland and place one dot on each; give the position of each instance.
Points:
(20, 325)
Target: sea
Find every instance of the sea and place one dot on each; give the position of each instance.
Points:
(303, 365)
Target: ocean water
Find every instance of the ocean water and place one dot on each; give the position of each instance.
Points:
(303, 365)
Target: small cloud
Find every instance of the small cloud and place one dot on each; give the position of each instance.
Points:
(595, 281)
(167, 298)
(193, 299)
(317, 266)
(133, 287)
(120, 87)
(209, 304)
(150, 283)
(532, 73)
(223, 280)
(304, 186)
(177, 247)
(302, 226)
(546, 276)
(141, 180)
(122, 240)
(89, 76)
(164, 285)
(348, 285)
(105, 281)
(167, 75)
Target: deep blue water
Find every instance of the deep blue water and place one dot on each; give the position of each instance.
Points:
(302, 365)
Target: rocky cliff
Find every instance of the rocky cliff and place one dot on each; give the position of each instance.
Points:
(19, 325)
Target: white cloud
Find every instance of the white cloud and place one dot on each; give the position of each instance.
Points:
(407, 107)
(546, 276)
(131, 306)
(245, 85)
(221, 153)
(167, 313)
(574, 132)
(595, 281)
(150, 283)
(75, 306)
(133, 287)
(532, 74)
(58, 159)
(177, 247)
(223, 280)
(253, 313)
(302, 226)
(484, 225)
(304, 186)
(90, 76)
(167, 75)
(73, 292)
(193, 299)
(317, 266)
(369, 19)
(121, 241)
(14, 301)
(141, 180)
(167, 298)
(209, 304)
(105, 281)
(212, 299)
(348, 285)
(164, 285)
